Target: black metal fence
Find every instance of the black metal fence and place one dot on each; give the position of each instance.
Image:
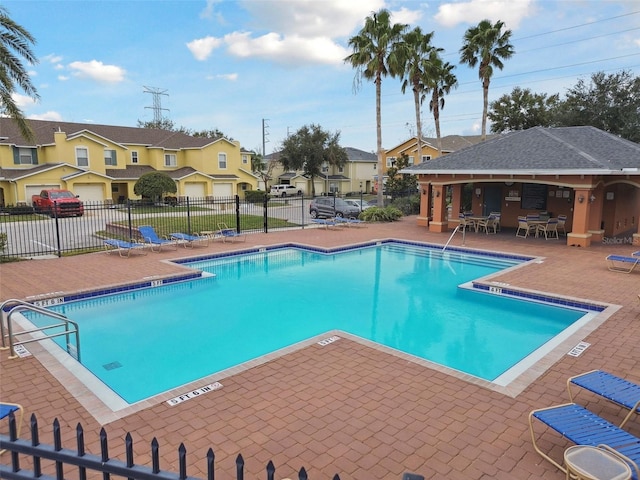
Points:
(62, 460)
(29, 234)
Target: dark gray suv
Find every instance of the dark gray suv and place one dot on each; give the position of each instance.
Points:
(332, 207)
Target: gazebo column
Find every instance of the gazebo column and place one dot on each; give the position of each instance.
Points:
(456, 200)
(439, 223)
(580, 235)
(596, 199)
(425, 206)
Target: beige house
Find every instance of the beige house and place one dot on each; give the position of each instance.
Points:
(357, 174)
(103, 162)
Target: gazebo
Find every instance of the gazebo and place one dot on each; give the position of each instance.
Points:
(591, 176)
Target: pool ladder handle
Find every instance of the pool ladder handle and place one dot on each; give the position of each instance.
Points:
(455, 230)
(19, 305)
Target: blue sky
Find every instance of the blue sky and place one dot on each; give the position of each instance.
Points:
(231, 64)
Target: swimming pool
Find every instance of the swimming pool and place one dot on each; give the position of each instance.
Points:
(403, 296)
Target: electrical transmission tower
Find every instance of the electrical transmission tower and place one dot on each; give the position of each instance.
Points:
(265, 134)
(157, 102)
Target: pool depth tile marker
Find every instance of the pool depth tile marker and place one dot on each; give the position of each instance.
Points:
(578, 349)
(328, 341)
(194, 393)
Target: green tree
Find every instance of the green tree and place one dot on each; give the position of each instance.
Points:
(608, 102)
(15, 42)
(378, 52)
(167, 124)
(486, 45)
(439, 80)
(311, 148)
(418, 51)
(263, 169)
(399, 184)
(522, 109)
(153, 185)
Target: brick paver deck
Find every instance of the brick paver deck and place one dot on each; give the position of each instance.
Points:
(348, 408)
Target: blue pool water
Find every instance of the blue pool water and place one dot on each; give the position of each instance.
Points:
(144, 342)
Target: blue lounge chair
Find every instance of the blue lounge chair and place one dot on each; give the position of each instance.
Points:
(189, 240)
(7, 409)
(349, 222)
(123, 248)
(326, 223)
(150, 236)
(622, 263)
(615, 389)
(582, 427)
(230, 234)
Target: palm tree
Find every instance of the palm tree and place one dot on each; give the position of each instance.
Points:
(15, 42)
(439, 80)
(377, 52)
(418, 49)
(486, 45)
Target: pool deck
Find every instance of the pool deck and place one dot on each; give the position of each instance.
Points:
(344, 408)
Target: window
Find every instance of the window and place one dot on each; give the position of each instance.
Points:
(25, 156)
(340, 169)
(325, 167)
(245, 159)
(391, 161)
(222, 160)
(110, 158)
(411, 160)
(426, 157)
(82, 157)
(134, 157)
(170, 160)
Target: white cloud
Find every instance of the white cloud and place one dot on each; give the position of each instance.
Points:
(23, 101)
(51, 58)
(54, 116)
(201, 48)
(63, 78)
(96, 70)
(404, 15)
(291, 49)
(228, 76)
(511, 12)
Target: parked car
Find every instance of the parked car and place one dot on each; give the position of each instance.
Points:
(285, 190)
(356, 202)
(58, 202)
(332, 207)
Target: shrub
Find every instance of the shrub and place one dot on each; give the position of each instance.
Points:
(377, 214)
(407, 205)
(3, 242)
(255, 196)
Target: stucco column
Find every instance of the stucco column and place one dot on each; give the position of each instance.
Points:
(580, 236)
(425, 207)
(439, 222)
(456, 200)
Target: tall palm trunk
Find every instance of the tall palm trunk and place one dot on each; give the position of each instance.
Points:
(379, 139)
(485, 107)
(416, 100)
(435, 102)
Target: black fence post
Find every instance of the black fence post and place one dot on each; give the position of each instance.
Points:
(265, 216)
(237, 203)
(55, 217)
(188, 217)
(129, 220)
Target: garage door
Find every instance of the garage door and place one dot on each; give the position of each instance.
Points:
(195, 189)
(36, 189)
(223, 190)
(89, 193)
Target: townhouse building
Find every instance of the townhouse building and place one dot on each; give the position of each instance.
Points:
(103, 162)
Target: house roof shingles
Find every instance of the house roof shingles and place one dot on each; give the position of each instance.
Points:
(539, 149)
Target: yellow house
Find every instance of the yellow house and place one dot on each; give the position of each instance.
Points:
(103, 162)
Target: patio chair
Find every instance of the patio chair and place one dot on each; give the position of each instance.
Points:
(190, 240)
(549, 229)
(524, 228)
(487, 224)
(562, 220)
(230, 234)
(464, 222)
(623, 264)
(349, 222)
(18, 411)
(498, 216)
(148, 233)
(582, 427)
(622, 392)
(123, 248)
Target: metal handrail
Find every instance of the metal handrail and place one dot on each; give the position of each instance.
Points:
(18, 306)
